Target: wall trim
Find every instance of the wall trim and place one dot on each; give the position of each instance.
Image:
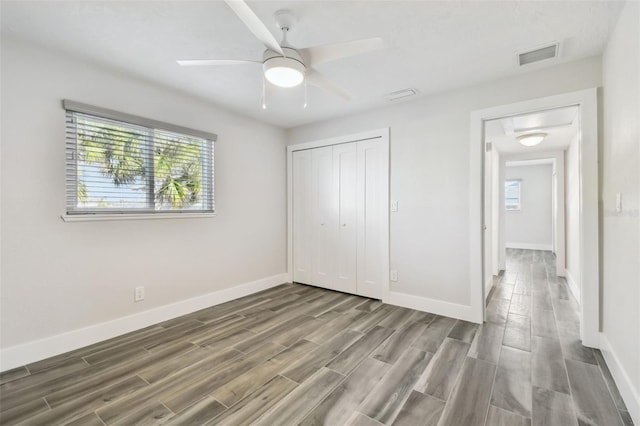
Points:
(629, 393)
(573, 286)
(439, 307)
(488, 285)
(36, 350)
(529, 246)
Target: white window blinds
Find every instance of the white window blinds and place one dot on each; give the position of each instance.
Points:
(118, 163)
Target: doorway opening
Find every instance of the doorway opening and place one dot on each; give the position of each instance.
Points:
(541, 198)
(525, 187)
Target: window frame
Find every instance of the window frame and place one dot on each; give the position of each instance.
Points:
(151, 125)
(519, 198)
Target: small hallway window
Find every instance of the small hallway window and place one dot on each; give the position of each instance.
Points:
(512, 195)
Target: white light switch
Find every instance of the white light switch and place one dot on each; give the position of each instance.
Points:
(394, 205)
(618, 202)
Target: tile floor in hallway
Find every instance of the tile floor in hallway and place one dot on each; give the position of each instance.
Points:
(297, 354)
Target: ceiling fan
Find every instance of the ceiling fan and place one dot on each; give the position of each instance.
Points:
(284, 65)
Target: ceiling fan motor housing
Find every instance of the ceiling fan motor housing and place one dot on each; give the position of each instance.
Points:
(289, 52)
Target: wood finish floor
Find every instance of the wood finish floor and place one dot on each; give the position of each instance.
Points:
(301, 355)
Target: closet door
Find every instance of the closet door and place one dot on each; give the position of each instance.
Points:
(302, 216)
(324, 218)
(345, 187)
(373, 224)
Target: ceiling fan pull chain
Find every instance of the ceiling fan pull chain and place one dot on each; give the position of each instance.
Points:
(305, 93)
(264, 93)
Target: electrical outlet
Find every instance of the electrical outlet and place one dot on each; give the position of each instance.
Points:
(394, 205)
(394, 275)
(138, 294)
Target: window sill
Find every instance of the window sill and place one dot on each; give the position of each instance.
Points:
(135, 216)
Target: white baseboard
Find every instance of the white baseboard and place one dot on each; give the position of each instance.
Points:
(488, 285)
(529, 246)
(439, 307)
(573, 286)
(36, 350)
(630, 394)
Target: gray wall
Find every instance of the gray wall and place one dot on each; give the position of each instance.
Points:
(430, 172)
(572, 217)
(620, 241)
(57, 276)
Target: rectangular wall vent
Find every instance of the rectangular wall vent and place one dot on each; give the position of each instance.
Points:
(541, 54)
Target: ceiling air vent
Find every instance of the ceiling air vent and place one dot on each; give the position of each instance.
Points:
(541, 54)
(405, 93)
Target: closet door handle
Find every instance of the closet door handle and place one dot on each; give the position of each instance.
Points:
(344, 224)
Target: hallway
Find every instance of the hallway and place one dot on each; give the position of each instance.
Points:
(544, 372)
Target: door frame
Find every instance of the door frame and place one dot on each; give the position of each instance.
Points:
(383, 135)
(557, 159)
(587, 100)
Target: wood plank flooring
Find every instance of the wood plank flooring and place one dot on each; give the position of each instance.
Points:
(296, 354)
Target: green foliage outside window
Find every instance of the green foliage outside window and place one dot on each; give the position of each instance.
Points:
(118, 165)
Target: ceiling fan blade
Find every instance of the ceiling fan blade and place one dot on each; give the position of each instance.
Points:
(316, 79)
(255, 25)
(330, 52)
(209, 62)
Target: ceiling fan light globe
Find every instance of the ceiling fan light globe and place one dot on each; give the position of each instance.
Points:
(284, 72)
(284, 77)
(531, 139)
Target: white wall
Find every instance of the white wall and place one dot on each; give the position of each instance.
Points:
(430, 173)
(57, 276)
(530, 227)
(620, 162)
(572, 216)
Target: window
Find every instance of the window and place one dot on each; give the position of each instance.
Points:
(512, 195)
(117, 163)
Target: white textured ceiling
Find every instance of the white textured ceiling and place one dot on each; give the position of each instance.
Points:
(560, 125)
(432, 46)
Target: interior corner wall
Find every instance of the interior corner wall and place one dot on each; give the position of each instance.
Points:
(572, 216)
(429, 177)
(620, 230)
(531, 226)
(496, 203)
(58, 277)
(488, 220)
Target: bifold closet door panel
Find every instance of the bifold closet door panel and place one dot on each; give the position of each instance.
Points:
(373, 225)
(324, 218)
(345, 187)
(302, 217)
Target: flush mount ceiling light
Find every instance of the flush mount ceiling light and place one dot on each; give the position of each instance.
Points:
(532, 139)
